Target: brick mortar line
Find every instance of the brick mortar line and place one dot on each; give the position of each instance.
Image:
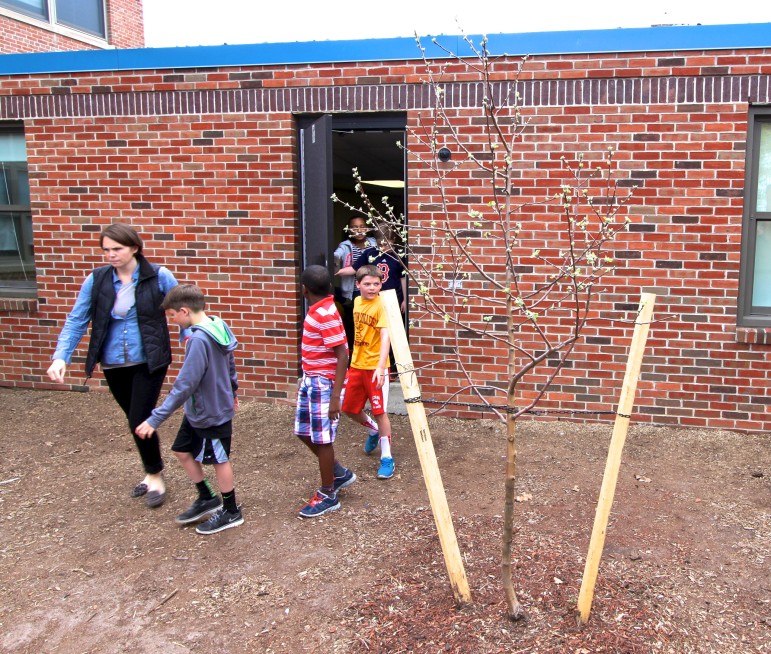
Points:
(389, 97)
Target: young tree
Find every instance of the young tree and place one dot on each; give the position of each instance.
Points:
(474, 270)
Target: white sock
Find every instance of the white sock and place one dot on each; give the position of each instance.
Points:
(371, 424)
(385, 447)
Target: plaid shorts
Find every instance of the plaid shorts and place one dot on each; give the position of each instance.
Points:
(312, 414)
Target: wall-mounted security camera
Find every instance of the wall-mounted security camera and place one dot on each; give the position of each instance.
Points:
(444, 154)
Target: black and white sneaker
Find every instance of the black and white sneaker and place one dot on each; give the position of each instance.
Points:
(222, 519)
(198, 510)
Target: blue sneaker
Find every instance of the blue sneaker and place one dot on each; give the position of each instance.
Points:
(319, 505)
(373, 440)
(346, 480)
(386, 470)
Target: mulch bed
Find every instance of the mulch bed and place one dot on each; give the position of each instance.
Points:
(414, 611)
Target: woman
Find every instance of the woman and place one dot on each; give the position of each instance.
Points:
(129, 339)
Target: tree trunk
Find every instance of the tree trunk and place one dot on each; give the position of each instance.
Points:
(515, 610)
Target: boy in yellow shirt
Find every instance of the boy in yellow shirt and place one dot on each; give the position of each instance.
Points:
(368, 374)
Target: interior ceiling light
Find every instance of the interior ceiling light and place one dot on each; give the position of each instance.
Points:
(388, 183)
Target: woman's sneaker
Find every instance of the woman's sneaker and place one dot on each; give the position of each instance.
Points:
(222, 519)
(199, 509)
(386, 470)
(319, 505)
(373, 440)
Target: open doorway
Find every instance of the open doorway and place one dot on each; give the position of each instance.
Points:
(330, 147)
(380, 163)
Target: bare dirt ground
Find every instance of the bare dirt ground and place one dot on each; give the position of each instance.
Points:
(86, 569)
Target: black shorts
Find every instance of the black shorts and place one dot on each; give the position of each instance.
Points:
(207, 444)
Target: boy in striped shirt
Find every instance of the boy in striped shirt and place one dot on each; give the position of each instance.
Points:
(324, 364)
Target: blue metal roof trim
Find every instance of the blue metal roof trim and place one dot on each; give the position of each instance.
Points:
(636, 39)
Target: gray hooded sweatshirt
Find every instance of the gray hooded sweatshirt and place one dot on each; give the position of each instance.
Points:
(207, 382)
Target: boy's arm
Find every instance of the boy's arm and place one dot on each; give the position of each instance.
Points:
(381, 372)
(338, 255)
(363, 260)
(341, 353)
(233, 373)
(187, 381)
(233, 378)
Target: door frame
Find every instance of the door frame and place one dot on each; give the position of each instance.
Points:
(316, 165)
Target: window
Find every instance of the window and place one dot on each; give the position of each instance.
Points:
(755, 279)
(36, 8)
(83, 15)
(17, 263)
(86, 15)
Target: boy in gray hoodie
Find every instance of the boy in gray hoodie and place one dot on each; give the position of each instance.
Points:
(206, 385)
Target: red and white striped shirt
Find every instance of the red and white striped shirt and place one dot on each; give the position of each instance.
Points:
(322, 331)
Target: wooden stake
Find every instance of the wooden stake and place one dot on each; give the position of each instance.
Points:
(425, 447)
(620, 428)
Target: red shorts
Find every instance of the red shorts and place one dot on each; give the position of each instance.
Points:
(358, 389)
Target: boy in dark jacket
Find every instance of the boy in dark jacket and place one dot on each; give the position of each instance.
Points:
(206, 385)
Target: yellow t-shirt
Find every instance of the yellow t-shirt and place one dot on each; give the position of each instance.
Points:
(368, 319)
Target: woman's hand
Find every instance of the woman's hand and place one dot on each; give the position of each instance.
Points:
(56, 371)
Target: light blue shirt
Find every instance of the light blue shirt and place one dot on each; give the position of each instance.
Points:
(123, 344)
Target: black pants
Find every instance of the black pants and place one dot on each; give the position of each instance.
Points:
(347, 316)
(136, 390)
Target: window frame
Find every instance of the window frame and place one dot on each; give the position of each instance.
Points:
(747, 314)
(50, 22)
(17, 213)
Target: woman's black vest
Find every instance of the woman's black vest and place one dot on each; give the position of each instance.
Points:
(152, 319)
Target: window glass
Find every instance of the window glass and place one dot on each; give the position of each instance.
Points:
(8, 240)
(761, 282)
(17, 262)
(37, 8)
(12, 147)
(86, 15)
(5, 191)
(22, 186)
(764, 168)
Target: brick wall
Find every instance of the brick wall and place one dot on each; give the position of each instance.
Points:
(204, 163)
(683, 245)
(125, 29)
(17, 37)
(211, 195)
(125, 23)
